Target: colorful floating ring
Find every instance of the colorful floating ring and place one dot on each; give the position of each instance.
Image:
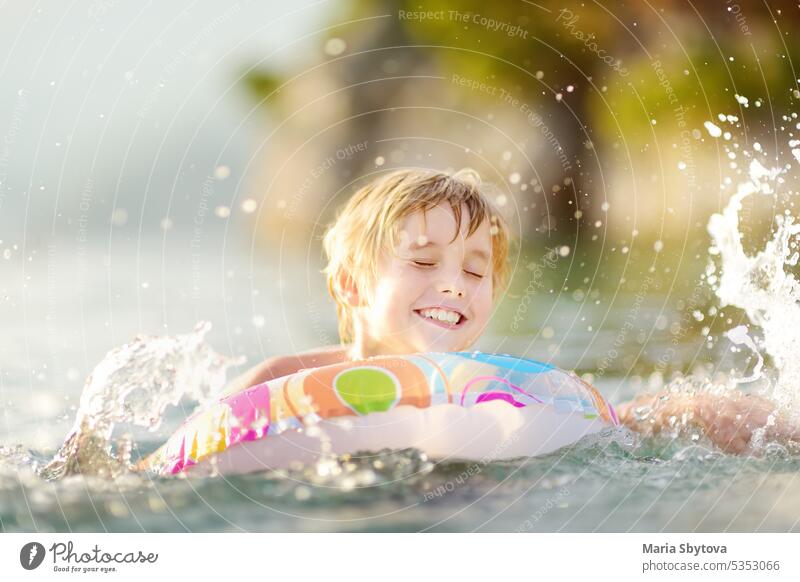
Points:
(465, 406)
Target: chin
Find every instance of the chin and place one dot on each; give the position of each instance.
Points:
(442, 346)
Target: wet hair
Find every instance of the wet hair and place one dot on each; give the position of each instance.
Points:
(368, 224)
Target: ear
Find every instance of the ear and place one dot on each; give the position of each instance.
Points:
(348, 288)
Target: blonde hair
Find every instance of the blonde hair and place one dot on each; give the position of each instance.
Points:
(368, 224)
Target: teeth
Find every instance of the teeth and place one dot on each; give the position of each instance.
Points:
(442, 315)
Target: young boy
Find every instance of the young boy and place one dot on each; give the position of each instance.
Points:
(416, 260)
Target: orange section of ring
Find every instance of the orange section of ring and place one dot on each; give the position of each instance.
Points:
(318, 385)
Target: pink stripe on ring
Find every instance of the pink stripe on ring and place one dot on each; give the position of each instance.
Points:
(501, 380)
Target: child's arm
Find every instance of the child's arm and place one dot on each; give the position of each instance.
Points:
(728, 420)
(278, 366)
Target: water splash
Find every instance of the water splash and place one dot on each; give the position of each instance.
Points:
(134, 384)
(739, 336)
(761, 284)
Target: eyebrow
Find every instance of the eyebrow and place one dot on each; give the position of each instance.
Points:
(477, 252)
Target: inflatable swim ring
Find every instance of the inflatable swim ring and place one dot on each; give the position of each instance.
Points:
(449, 405)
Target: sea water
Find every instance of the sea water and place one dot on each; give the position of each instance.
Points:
(675, 481)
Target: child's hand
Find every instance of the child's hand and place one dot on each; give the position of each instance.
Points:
(728, 420)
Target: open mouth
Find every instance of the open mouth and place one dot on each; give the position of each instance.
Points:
(442, 317)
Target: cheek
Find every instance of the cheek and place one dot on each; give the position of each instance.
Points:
(395, 290)
(408, 282)
(483, 301)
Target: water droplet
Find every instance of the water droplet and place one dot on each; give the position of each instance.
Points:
(249, 205)
(335, 46)
(302, 493)
(712, 129)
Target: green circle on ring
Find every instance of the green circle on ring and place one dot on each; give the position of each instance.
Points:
(366, 390)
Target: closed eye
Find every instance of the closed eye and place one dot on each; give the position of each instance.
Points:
(427, 264)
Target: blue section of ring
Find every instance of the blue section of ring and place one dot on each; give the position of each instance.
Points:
(434, 377)
(508, 362)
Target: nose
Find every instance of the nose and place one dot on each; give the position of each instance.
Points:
(452, 284)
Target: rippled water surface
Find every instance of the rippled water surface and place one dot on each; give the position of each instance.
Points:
(598, 487)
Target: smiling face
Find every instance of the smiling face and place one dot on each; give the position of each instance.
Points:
(434, 293)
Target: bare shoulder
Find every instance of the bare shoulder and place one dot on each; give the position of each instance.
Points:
(279, 366)
(323, 356)
(314, 358)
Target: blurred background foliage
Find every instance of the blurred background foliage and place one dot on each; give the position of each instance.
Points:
(589, 122)
(708, 54)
